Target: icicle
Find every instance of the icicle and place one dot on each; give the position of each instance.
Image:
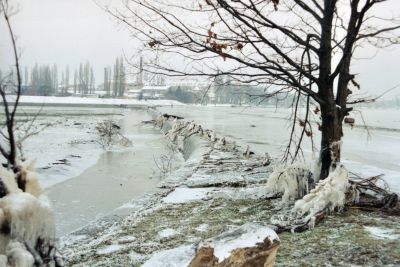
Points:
(328, 194)
(292, 181)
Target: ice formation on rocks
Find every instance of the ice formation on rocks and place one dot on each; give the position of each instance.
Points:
(27, 220)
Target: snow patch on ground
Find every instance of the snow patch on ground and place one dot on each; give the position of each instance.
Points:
(184, 195)
(126, 239)
(202, 227)
(247, 235)
(382, 233)
(177, 257)
(109, 249)
(167, 233)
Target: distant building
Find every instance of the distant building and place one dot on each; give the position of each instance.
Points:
(154, 91)
(192, 83)
(134, 93)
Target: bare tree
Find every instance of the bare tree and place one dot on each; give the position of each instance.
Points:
(26, 214)
(8, 148)
(299, 47)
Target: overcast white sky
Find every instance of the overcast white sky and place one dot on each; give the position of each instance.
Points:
(67, 32)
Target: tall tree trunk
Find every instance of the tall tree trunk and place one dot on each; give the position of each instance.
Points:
(329, 127)
(331, 136)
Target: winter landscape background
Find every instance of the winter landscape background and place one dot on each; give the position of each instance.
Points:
(214, 133)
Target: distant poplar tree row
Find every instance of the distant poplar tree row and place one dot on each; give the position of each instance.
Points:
(115, 82)
(44, 80)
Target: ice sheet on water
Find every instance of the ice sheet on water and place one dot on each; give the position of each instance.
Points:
(365, 171)
(63, 150)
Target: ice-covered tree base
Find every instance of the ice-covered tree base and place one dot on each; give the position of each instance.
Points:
(292, 182)
(334, 193)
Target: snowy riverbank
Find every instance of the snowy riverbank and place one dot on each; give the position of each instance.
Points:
(216, 191)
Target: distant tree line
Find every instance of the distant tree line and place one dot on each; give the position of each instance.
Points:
(115, 82)
(84, 81)
(48, 80)
(183, 94)
(44, 80)
(226, 91)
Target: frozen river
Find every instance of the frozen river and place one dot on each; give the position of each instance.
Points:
(94, 182)
(83, 180)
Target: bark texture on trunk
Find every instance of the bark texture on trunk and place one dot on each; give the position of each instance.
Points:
(331, 137)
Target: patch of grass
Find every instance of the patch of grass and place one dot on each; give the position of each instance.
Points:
(218, 214)
(341, 240)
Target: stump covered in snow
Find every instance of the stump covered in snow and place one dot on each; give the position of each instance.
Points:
(249, 245)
